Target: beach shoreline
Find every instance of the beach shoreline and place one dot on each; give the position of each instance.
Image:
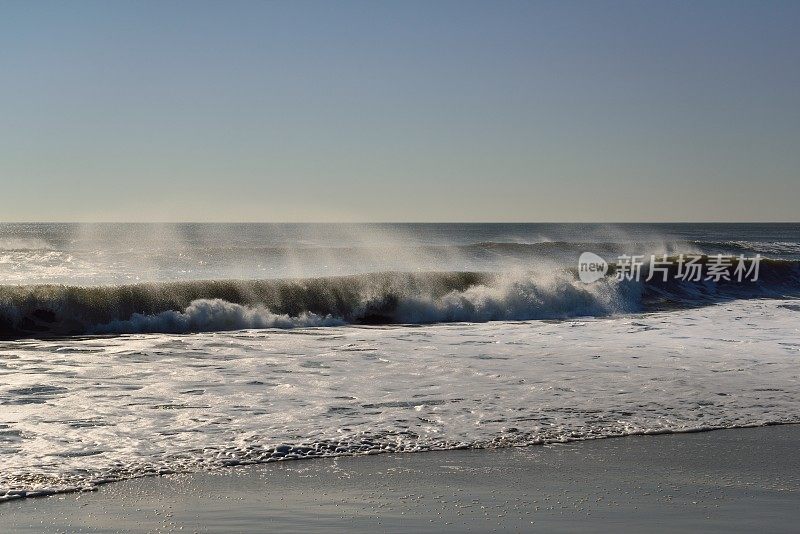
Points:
(723, 480)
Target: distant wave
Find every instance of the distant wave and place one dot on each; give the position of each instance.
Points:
(23, 243)
(779, 249)
(775, 250)
(378, 298)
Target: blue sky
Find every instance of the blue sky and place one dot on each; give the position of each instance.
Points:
(399, 111)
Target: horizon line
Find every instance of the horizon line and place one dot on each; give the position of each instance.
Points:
(405, 222)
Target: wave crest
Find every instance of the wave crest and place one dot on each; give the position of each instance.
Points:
(377, 298)
(212, 315)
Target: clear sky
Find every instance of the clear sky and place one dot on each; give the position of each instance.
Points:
(399, 111)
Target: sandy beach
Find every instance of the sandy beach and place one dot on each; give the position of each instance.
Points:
(720, 481)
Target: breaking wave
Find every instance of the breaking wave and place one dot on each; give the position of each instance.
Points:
(377, 298)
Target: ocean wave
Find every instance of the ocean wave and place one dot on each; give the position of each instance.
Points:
(511, 247)
(212, 315)
(777, 249)
(377, 298)
(23, 243)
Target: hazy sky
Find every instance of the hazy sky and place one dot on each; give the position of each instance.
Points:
(399, 111)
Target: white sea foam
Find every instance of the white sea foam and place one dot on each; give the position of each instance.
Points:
(213, 315)
(521, 296)
(78, 412)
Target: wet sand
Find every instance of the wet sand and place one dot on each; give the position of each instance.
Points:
(721, 481)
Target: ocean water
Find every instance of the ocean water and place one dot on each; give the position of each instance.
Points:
(130, 350)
